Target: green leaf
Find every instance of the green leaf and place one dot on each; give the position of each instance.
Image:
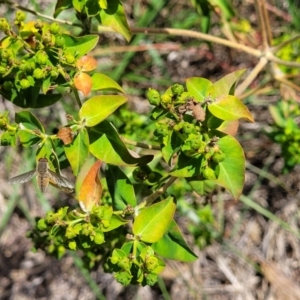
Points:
(197, 87)
(46, 100)
(46, 84)
(27, 139)
(172, 143)
(29, 121)
(126, 247)
(226, 9)
(79, 4)
(80, 45)
(204, 10)
(98, 108)
(25, 98)
(114, 222)
(187, 166)
(103, 4)
(225, 85)
(13, 44)
(120, 188)
(8, 139)
(158, 112)
(153, 221)
(78, 150)
(92, 8)
(230, 108)
(62, 5)
(173, 245)
(114, 17)
(211, 121)
(106, 145)
(31, 99)
(103, 82)
(201, 187)
(232, 168)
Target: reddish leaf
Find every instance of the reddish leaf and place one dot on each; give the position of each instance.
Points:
(91, 190)
(230, 127)
(86, 63)
(83, 82)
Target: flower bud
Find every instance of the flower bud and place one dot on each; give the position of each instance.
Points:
(59, 41)
(38, 24)
(209, 173)
(69, 58)
(20, 16)
(166, 99)
(38, 73)
(41, 58)
(54, 28)
(218, 157)
(177, 89)
(153, 97)
(24, 83)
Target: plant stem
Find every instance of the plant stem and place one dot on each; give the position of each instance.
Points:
(139, 144)
(149, 200)
(288, 83)
(277, 60)
(264, 23)
(285, 43)
(77, 97)
(36, 13)
(252, 75)
(190, 33)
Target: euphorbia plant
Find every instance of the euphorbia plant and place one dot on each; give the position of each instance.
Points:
(129, 234)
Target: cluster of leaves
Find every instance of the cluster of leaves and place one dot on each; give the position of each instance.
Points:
(286, 131)
(132, 260)
(142, 269)
(37, 57)
(74, 230)
(189, 125)
(33, 64)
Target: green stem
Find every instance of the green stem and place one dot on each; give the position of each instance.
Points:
(37, 133)
(70, 223)
(119, 212)
(149, 200)
(271, 57)
(36, 13)
(134, 250)
(139, 144)
(77, 97)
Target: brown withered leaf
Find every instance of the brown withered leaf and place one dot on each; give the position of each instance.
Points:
(66, 135)
(198, 112)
